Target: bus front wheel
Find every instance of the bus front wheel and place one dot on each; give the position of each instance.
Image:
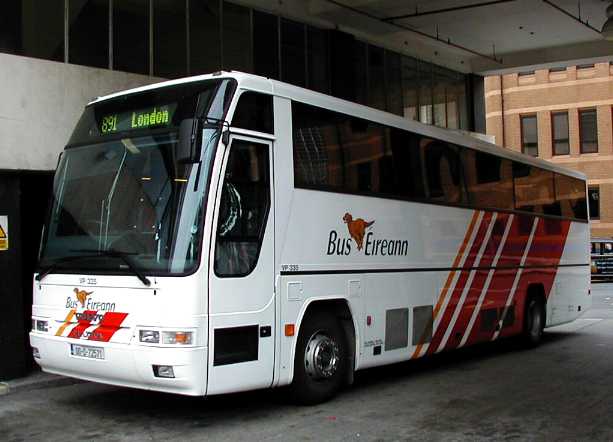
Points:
(320, 362)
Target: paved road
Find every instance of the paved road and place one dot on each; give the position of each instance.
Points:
(561, 391)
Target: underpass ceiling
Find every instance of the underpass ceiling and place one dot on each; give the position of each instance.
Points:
(468, 35)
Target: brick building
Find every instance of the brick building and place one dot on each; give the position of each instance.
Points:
(562, 115)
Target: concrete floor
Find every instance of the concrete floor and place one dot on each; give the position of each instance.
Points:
(559, 391)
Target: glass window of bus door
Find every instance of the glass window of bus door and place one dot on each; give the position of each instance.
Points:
(243, 209)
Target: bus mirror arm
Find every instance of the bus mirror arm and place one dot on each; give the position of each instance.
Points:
(188, 149)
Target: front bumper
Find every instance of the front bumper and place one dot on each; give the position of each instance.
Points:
(126, 365)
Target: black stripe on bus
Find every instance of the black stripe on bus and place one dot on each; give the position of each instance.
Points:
(427, 269)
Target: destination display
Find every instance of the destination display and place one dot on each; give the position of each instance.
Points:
(151, 117)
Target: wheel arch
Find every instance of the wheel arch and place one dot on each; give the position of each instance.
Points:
(340, 307)
(536, 290)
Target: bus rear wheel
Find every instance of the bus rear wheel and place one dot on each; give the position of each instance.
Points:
(320, 362)
(534, 322)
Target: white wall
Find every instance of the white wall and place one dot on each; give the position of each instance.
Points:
(40, 103)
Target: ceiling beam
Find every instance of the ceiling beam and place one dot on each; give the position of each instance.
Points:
(574, 17)
(442, 11)
(436, 38)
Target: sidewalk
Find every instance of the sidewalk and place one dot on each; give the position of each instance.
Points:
(35, 381)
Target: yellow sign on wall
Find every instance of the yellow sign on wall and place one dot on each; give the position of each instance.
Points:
(4, 232)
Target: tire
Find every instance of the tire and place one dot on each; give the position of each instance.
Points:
(534, 323)
(320, 362)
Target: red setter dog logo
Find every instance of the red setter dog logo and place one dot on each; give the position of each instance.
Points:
(357, 228)
(82, 296)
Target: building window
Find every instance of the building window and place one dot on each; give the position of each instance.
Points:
(204, 32)
(318, 60)
(410, 90)
(169, 40)
(265, 45)
(89, 33)
(593, 196)
(293, 56)
(43, 29)
(559, 133)
(10, 27)
(426, 107)
(393, 81)
(376, 78)
(529, 135)
(588, 131)
(236, 38)
(131, 36)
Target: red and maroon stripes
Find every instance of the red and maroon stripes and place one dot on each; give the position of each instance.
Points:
(456, 294)
(530, 242)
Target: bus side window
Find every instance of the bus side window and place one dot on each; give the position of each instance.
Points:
(243, 209)
(444, 176)
(489, 180)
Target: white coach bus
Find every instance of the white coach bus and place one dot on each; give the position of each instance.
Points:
(229, 232)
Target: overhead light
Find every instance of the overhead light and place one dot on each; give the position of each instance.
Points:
(607, 28)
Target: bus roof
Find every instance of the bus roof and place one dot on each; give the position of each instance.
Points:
(278, 88)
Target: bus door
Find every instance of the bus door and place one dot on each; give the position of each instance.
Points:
(241, 278)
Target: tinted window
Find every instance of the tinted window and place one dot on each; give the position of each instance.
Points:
(243, 209)
(443, 171)
(10, 27)
(89, 32)
(254, 112)
(236, 38)
(570, 193)
(376, 77)
(410, 90)
(534, 189)
(131, 36)
(293, 57)
(318, 159)
(205, 36)
(393, 72)
(265, 45)
(43, 34)
(529, 136)
(318, 61)
(170, 55)
(348, 154)
(489, 180)
(588, 131)
(559, 122)
(401, 172)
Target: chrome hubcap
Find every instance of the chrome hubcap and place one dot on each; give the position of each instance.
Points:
(321, 356)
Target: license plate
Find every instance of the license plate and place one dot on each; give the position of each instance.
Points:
(85, 351)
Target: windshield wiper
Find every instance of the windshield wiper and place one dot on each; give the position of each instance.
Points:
(124, 256)
(54, 266)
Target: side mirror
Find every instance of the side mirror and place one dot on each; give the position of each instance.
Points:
(188, 149)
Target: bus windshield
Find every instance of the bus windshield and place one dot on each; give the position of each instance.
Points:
(126, 195)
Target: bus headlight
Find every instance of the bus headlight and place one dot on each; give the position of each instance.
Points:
(42, 326)
(149, 336)
(177, 337)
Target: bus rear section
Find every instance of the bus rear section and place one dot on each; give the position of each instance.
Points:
(422, 241)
